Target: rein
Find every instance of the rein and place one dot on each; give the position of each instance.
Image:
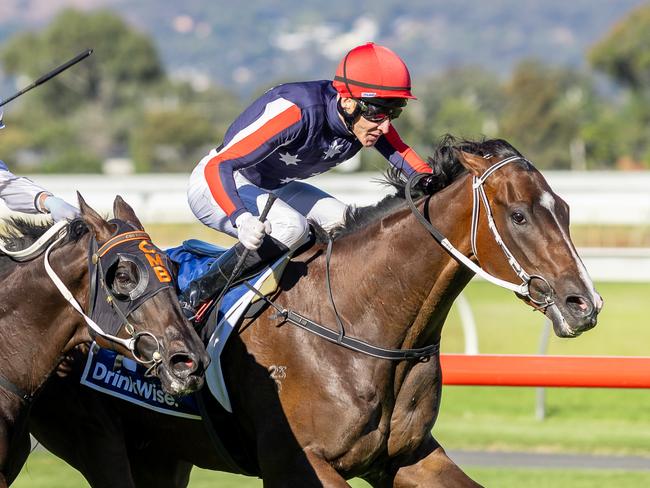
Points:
(338, 337)
(478, 193)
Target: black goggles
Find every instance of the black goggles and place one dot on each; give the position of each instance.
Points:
(378, 113)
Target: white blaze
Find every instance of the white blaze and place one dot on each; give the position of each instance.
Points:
(548, 201)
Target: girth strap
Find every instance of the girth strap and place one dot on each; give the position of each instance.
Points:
(422, 354)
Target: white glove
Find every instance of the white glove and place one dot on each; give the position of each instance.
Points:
(60, 209)
(250, 231)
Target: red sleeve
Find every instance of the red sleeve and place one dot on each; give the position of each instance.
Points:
(401, 155)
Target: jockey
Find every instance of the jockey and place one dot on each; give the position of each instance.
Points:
(292, 132)
(23, 195)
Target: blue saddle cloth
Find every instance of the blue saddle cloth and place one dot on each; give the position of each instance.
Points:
(127, 380)
(194, 258)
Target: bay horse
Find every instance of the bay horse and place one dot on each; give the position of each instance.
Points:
(42, 320)
(309, 413)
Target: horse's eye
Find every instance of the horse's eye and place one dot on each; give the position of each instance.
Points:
(124, 280)
(122, 277)
(518, 218)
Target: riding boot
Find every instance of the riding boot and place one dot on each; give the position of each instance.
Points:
(209, 285)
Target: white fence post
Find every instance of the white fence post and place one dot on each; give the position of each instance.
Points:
(540, 404)
(468, 323)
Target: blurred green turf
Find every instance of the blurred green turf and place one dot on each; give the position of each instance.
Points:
(45, 471)
(507, 326)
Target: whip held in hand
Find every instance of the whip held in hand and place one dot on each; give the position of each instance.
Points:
(242, 259)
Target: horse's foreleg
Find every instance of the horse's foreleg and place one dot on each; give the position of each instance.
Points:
(430, 466)
(14, 439)
(307, 470)
(151, 468)
(73, 423)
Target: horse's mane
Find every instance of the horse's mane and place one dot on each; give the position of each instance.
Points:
(19, 233)
(446, 168)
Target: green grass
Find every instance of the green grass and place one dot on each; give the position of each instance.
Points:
(555, 478)
(45, 471)
(579, 420)
(507, 326)
(606, 421)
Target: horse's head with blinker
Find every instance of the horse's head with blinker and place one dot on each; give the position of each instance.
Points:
(527, 238)
(132, 295)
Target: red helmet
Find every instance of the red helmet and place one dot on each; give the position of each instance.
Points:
(370, 71)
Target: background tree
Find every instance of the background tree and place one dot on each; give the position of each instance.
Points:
(119, 102)
(623, 53)
(90, 97)
(124, 63)
(544, 114)
(465, 102)
(180, 125)
(624, 131)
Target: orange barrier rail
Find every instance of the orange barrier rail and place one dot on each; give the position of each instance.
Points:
(570, 371)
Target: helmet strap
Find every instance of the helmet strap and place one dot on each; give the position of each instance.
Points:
(348, 118)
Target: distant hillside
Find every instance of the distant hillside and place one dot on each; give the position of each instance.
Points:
(255, 44)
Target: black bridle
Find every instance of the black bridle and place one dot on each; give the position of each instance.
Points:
(111, 309)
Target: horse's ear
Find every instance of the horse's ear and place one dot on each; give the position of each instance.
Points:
(123, 211)
(102, 230)
(475, 164)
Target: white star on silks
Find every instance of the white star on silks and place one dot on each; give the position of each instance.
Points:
(289, 159)
(287, 180)
(333, 150)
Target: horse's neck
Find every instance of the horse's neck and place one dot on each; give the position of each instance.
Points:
(407, 281)
(42, 324)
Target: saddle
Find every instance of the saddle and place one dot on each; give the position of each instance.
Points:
(193, 258)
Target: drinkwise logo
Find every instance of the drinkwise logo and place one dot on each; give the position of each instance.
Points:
(129, 383)
(143, 389)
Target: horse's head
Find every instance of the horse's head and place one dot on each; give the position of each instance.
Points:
(533, 223)
(132, 289)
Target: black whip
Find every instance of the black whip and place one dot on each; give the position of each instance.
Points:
(48, 76)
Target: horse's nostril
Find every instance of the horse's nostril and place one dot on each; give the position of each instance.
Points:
(579, 305)
(183, 364)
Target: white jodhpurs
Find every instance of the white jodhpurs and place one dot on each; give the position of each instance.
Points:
(296, 202)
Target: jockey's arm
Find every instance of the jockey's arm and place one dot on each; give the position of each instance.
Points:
(400, 155)
(21, 194)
